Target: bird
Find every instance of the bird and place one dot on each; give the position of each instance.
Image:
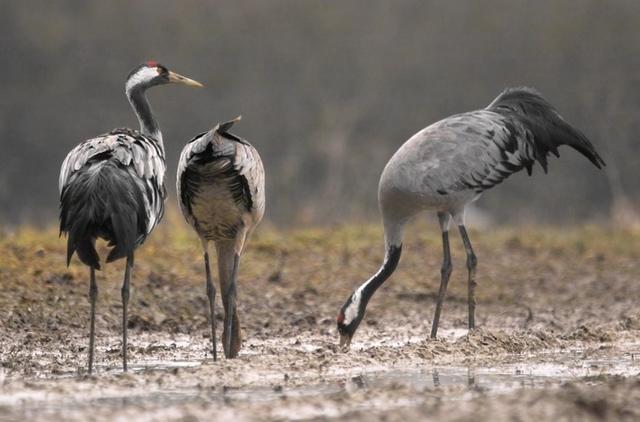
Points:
(112, 188)
(220, 185)
(448, 165)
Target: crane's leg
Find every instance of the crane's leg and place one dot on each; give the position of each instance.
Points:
(230, 313)
(445, 271)
(228, 260)
(125, 302)
(472, 262)
(211, 294)
(93, 295)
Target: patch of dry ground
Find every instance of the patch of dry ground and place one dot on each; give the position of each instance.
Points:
(560, 305)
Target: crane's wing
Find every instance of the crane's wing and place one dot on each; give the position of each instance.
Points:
(482, 148)
(132, 150)
(477, 150)
(466, 151)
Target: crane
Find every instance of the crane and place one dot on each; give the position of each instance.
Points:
(112, 188)
(447, 166)
(220, 185)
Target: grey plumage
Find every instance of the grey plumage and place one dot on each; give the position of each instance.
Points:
(449, 164)
(220, 185)
(111, 187)
(464, 155)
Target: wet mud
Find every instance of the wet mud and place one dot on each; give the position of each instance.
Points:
(558, 331)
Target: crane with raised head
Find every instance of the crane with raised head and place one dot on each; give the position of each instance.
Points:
(112, 188)
(447, 166)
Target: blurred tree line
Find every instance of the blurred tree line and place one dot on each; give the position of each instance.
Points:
(328, 91)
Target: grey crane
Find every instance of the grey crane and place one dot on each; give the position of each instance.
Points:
(448, 165)
(220, 186)
(112, 187)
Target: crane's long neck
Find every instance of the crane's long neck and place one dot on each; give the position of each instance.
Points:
(391, 259)
(148, 124)
(393, 233)
(356, 305)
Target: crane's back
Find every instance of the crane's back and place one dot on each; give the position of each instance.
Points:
(111, 187)
(220, 185)
(422, 172)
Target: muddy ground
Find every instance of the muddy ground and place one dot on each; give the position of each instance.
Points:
(558, 336)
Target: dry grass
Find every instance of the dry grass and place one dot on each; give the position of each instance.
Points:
(534, 267)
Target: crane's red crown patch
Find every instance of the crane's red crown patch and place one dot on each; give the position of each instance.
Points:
(152, 63)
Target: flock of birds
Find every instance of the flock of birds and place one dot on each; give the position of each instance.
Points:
(112, 187)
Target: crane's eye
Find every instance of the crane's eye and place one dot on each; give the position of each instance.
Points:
(162, 70)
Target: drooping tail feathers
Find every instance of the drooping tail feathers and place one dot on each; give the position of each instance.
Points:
(225, 126)
(223, 129)
(547, 129)
(102, 201)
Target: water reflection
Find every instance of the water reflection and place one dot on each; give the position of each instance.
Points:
(473, 379)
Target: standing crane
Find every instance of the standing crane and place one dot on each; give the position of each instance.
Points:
(112, 187)
(447, 166)
(220, 186)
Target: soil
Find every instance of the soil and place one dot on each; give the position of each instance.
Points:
(558, 330)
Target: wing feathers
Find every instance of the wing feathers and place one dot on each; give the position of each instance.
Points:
(518, 129)
(220, 178)
(111, 186)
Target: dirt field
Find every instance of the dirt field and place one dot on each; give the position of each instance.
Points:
(558, 337)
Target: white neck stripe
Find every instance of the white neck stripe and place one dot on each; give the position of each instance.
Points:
(352, 310)
(145, 74)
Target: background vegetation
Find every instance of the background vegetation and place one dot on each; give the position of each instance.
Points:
(328, 91)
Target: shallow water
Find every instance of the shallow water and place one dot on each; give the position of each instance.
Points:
(451, 382)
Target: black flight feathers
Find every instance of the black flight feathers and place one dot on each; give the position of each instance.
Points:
(102, 200)
(545, 129)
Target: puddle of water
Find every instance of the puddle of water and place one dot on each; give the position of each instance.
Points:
(538, 371)
(496, 379)
(152, 365)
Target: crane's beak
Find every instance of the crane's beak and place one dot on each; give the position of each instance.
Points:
(179, 79)
(345, 342)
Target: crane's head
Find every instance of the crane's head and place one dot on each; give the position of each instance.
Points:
(152, 73)
(350, 317)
